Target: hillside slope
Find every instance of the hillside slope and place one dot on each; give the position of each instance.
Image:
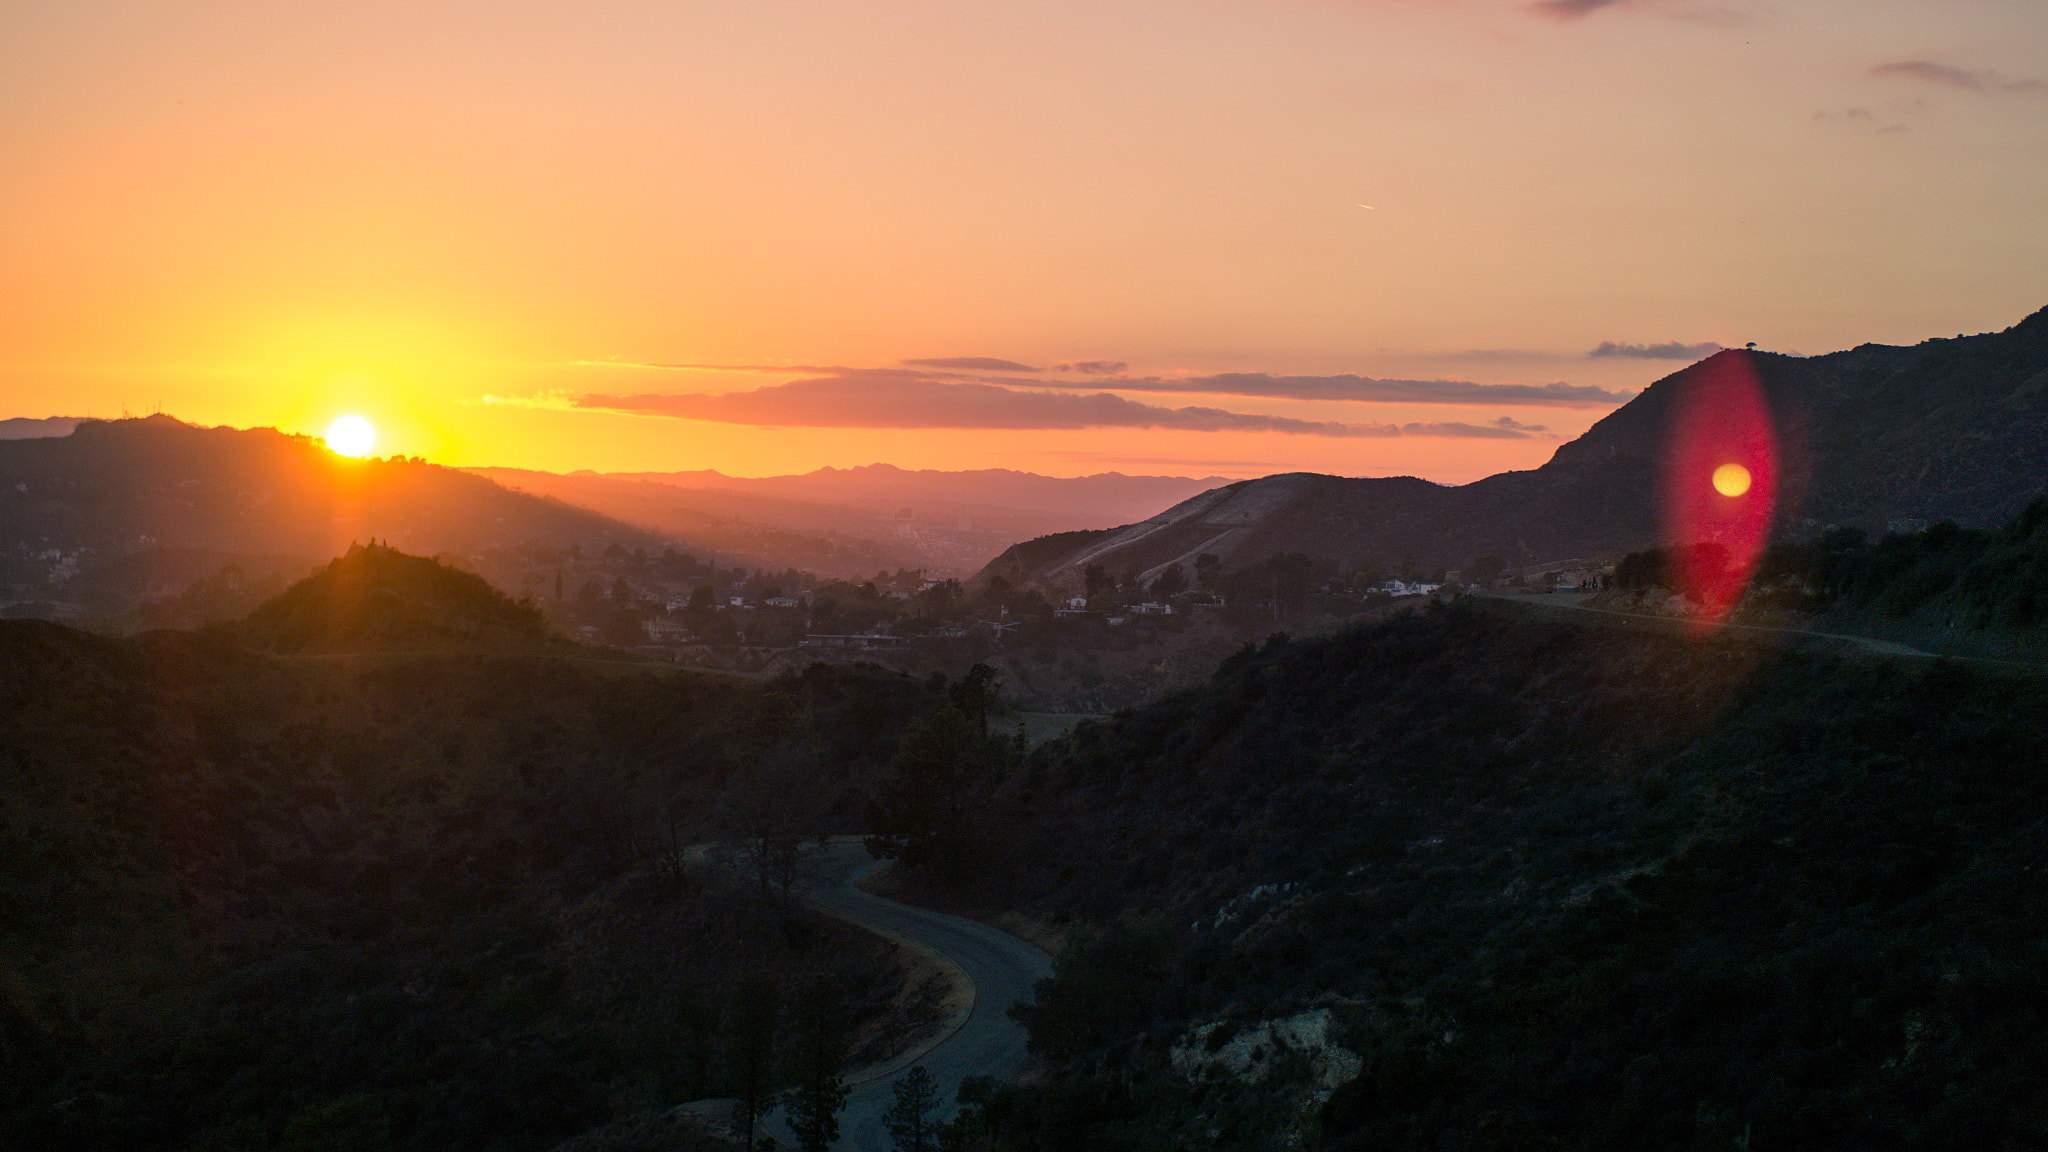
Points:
(1477, 880)
(379, 599)
(409, 901)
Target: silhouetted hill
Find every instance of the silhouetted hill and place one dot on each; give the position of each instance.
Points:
(378, 598)
(76, 511)
(1944, 430)
(421, 902)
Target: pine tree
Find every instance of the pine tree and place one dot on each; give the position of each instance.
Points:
(815, 1102)
(909, 1121)
(753, 1054)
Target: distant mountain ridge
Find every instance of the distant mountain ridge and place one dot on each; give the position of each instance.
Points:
(122, 510)
(1949, 429)
(1109, 494)
(955, 520)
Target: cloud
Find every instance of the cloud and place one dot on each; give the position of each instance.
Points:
(1162, 461)
(882, 399)
(1669, 351)
(1108, 374)
(972, 364)
(1366, 389)
(1572, 9)
(661, 366)
(1949, 76)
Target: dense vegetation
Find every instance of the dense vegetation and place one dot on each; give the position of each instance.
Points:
(375, 596)
(1953, 579)
(1557, 886)
(405, 899)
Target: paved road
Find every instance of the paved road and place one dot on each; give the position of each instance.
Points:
(1002, 969)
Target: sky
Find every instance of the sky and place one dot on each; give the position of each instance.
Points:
(1206, 237)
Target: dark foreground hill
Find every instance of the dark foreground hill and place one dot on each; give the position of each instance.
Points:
(1943, 430)
(1470, 879)
(400, 900)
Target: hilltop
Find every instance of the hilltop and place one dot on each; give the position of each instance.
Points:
(377, 598)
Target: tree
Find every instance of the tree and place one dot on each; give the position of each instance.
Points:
(1097, 580)
(774, 809)
(1171, 582)
(909, 1120)
(820, 1092)
(753, 1054)
(1208, 566)
(920, 815)
(975, 693)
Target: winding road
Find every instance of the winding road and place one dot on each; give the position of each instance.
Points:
(981, 1041)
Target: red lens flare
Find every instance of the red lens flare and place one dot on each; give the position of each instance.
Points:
(1720, 483)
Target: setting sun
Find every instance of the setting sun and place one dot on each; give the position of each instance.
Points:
(351, 436)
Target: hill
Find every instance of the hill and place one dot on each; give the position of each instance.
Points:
(1950, 429)
(125, 510)
(425, 901)
(378, 598)
(1475, 879)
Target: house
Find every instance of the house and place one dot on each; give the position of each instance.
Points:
(662, 628)
(859, 640)
(1153, 608)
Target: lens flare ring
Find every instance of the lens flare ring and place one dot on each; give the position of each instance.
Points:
(1720, 483)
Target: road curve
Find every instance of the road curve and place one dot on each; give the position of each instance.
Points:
(1001, 968)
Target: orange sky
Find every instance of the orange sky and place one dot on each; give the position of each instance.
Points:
(485, 226)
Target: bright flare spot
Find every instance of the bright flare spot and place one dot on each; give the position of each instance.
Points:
(353, 436)
(1731, 479)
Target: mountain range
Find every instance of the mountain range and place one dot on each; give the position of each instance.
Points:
(1948, 429)
(948, 523)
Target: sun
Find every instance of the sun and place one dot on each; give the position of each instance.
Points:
(351, 436)
(1731, 479)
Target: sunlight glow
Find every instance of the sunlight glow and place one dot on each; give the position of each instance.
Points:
(1731, 479)
(351, 436)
